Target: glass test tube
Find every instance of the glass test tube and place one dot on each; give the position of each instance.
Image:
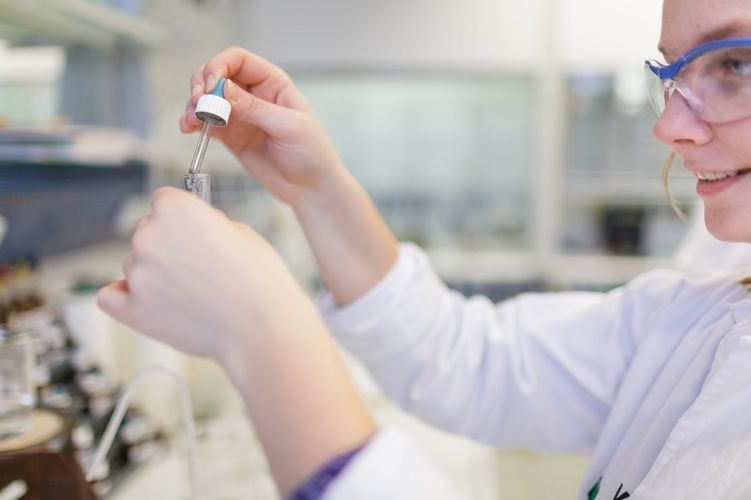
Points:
(200, 185)
(17, 394)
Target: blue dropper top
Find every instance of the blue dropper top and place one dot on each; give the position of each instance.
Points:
(219, 90)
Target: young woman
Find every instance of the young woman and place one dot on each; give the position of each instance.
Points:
(654, 377)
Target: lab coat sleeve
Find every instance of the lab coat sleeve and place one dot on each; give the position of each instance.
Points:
(538, 371)
(390, 466)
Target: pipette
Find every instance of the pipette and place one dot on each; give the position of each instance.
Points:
(213, 110)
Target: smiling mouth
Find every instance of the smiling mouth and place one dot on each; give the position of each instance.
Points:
(718, 176)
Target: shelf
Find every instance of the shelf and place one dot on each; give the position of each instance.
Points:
(51, 208)
(624, 188)
(91, 23)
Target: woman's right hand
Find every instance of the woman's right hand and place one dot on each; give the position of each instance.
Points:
(272, 129)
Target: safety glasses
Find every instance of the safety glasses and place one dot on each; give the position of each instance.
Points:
(714, 79)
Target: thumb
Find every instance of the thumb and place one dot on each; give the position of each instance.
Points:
(273, 119)
(114, 299)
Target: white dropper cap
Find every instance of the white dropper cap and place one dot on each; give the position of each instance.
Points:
(213, 108)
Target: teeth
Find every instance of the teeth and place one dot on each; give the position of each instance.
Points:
(716, 176)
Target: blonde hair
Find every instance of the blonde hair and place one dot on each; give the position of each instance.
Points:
(677, 209)
(665, 174)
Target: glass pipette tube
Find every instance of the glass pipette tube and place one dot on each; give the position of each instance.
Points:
(203, 143)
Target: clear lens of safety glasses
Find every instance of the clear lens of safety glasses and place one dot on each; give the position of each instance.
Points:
(721, 81)
(716, 85)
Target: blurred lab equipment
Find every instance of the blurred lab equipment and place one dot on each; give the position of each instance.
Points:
(622, 229)
(55, 400)
(3, 228)
(17, 390)
(42, 463)
(119, 413)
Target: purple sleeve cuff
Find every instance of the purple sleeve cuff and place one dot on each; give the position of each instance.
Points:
(315, 487)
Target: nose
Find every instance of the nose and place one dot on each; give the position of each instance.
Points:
(679, 126)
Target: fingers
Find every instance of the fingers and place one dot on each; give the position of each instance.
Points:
(124, 299)
(172, 209)
(197, 85)
(142, 222)
(248, 75)
(166, 196)
(247, 107)
(128, 263)
(243, 66)
(275, 120)
(189, 122)
(114, 299)
(247, 231)
(255, 74)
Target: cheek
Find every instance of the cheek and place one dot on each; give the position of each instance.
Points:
(726, 216)
(735, 140)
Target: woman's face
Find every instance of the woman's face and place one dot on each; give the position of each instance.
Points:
(707, 147)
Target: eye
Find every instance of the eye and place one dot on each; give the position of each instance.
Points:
(737, 67)
(736, 63)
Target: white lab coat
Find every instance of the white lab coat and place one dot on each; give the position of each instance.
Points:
(654, 378)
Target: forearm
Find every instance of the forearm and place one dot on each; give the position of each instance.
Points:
(352, 244)
(299, 395)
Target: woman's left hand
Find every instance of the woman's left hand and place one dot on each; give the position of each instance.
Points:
(209, 286)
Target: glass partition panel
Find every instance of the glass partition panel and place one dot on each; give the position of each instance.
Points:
(447, 158)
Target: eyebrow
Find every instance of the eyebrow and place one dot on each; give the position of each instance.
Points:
(720, 33)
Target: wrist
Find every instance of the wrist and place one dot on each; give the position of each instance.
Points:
(328, 192)
(352, 244)
(265, 331)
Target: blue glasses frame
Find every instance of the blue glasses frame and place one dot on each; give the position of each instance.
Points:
(667, 72)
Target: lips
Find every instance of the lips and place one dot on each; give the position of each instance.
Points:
(713, 183)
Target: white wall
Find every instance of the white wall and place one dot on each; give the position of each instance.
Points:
(394, 33)
(610, 34)
(442, 34)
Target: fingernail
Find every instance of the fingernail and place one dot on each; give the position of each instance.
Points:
(197, 89)
(229, 90)
(210, 82)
